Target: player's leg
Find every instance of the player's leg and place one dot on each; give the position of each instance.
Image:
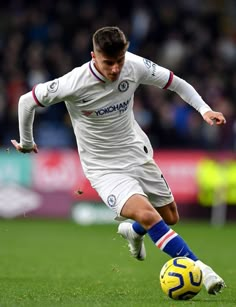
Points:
(169, 214)
(124, 195)
(213, 282)
(150, 181)
(138, 208)
(165, 238)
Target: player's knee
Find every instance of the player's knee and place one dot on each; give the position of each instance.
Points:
(172, 220)
(169, 214)
(148, 218)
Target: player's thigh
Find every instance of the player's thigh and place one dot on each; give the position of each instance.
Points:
(169, 213)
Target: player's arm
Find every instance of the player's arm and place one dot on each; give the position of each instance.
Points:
(191, 96)
(26, 112)
(42, 95)
(152, 74)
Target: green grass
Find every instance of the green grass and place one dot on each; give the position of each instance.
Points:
(58, 263)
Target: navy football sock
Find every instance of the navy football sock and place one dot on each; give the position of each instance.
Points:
(139, 229)
(169, 241)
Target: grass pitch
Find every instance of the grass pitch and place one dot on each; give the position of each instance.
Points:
(58, 263)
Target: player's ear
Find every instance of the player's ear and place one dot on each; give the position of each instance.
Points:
(92, 55)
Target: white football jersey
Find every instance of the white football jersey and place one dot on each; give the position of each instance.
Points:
(101, 111)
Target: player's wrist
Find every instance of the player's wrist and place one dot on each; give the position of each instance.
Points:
(27, 145)
(204, 109)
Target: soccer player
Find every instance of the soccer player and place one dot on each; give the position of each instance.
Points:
(116, 155)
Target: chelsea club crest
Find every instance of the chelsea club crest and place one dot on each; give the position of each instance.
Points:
(123, 86)
(111, 200)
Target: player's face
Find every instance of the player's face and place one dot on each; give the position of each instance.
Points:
(109, 67)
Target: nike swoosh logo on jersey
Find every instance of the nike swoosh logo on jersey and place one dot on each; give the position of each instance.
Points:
(86, 100)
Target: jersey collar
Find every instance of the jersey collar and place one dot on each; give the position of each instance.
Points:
(96, 73)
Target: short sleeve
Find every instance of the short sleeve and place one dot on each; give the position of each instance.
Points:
(151, 73)
(54, 91)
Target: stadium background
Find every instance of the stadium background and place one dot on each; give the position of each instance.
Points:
(194, 39)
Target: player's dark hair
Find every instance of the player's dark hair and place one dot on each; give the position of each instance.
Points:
(110, 41)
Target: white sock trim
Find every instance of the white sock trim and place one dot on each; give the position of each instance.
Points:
(164, 240)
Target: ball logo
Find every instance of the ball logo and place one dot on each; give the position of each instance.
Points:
(123, 86)
(53, 86)
(111, 200)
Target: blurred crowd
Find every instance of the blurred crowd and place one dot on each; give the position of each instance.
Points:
(196, 39)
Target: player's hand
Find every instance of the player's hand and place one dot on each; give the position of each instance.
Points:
(23, 150)
(212, 117)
